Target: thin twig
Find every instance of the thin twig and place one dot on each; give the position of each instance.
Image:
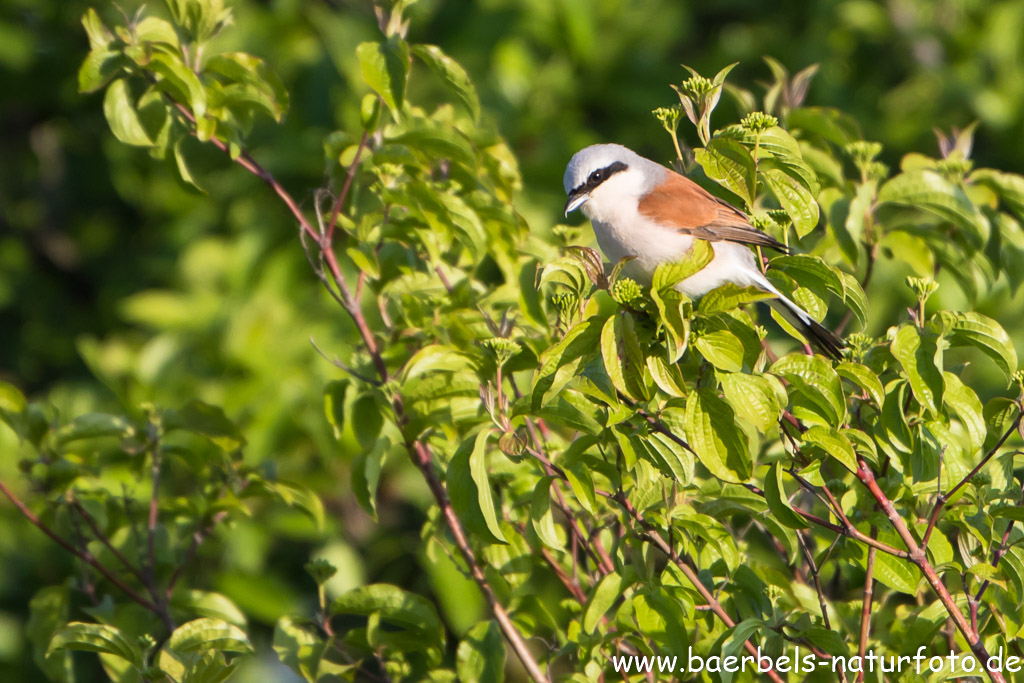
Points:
(198, 537)
(90, 521)
(654, 537)
(865, 613)
(943, 498)
(336, 211)
(84, 555)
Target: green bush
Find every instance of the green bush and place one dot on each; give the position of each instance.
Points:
(597, 468)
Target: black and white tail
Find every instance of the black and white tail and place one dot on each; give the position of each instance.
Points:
(816, 333)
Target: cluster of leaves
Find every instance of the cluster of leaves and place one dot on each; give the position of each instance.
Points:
(133, 498)
(617, 469)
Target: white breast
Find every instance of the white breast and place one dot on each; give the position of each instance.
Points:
(621, 233)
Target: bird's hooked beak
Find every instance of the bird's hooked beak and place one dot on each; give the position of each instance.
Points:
(576, 200)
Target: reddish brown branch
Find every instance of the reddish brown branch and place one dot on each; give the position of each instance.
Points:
(652, 536)
(918, 557)
(417, 450)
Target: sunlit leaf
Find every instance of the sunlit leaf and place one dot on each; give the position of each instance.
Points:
(470, 489)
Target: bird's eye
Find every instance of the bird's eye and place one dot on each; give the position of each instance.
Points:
(596, 176)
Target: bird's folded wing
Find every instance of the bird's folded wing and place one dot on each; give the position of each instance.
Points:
(681, 204)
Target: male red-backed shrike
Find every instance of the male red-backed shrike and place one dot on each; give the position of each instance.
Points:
(640, 208)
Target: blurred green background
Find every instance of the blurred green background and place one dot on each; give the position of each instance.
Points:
(118, 284)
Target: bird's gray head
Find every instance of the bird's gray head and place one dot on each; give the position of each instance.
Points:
(605, 171)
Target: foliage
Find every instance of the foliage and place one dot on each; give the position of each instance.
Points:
(609, 469)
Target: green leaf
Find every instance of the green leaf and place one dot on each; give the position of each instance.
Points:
(299, 646)
(669, 274)
(894, 421)
(983, 333)
(385, 68)
(912, 250)
(926, 189)
(392, 604)
(436, 358)
(832, 124)
(794, 196)
(452, 74)
(712, 432)
(740, 633)
(673, 460)
(1008, 511)
(98, 68)
(470, 489)
(209, 634)
(577, 471)
(830, 641)
(301, 497)
(834, 443)
(100, 36)
(661, 615)
(1000, 415)
(183, 170)
(863, 377)
(623, 357)
(94, 425)
(854, 296)
(730, 296)
(893, 572)
(199, 20)
(729, 163)
(207, 420)
(100, 638)
(481, 654)
(667, 376)
(753, 399)
(964, 402)
(922, 361)
(156, 30)
(670, 304)
(815, 391)
(123, 117)
(261, 86)
(778, 501)
(367, 420)
(541, 518)
(48, 613)
(12, 401)
(210, 667)
(811, 272)
(1009, 187)
(207, 604)
(334, 404)
(719, 346)
(182, 84)
(434, 141)
(366, 469)
(601, 600)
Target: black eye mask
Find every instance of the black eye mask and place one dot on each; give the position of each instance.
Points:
(598, 177)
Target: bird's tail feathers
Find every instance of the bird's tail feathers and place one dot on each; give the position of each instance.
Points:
(816, 333)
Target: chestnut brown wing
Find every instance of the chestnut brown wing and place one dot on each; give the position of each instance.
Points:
(683, 205)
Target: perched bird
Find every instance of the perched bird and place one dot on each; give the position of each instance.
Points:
(642, 209)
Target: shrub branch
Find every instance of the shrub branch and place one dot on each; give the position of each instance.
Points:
(418, 451)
